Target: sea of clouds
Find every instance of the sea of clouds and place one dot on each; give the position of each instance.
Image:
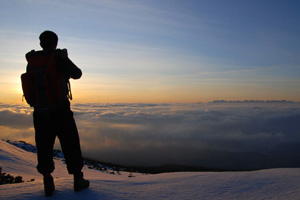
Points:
(227, 135)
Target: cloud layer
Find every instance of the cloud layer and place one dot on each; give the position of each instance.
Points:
(221, 135)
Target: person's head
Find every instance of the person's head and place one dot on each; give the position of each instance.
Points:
(48, 40)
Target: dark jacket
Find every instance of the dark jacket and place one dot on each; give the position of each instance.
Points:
(66, 66)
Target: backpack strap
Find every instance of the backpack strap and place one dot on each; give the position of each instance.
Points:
(69, 95)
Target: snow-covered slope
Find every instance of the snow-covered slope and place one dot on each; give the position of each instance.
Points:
(264, 184)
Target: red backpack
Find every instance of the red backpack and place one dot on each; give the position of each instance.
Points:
(44, 87)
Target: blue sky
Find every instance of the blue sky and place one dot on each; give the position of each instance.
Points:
(160, 51)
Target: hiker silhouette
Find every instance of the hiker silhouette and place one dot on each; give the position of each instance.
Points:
(49, 92)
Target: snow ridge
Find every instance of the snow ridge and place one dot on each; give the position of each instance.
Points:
(264, 184)
(91, 164)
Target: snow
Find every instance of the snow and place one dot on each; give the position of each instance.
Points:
(264, 184)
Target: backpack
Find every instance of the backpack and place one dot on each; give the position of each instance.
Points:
(44, 87)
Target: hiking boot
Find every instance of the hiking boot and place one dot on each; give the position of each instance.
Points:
(80, 183)
(48, 185)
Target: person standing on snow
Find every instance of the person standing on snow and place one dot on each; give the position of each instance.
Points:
(57, 121)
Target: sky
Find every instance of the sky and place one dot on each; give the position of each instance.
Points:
(160, 51)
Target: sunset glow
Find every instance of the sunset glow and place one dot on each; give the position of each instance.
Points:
(160, 51)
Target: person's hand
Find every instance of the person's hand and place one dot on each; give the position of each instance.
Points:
(64, 52)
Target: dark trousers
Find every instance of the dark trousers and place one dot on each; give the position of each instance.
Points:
(60, 123)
